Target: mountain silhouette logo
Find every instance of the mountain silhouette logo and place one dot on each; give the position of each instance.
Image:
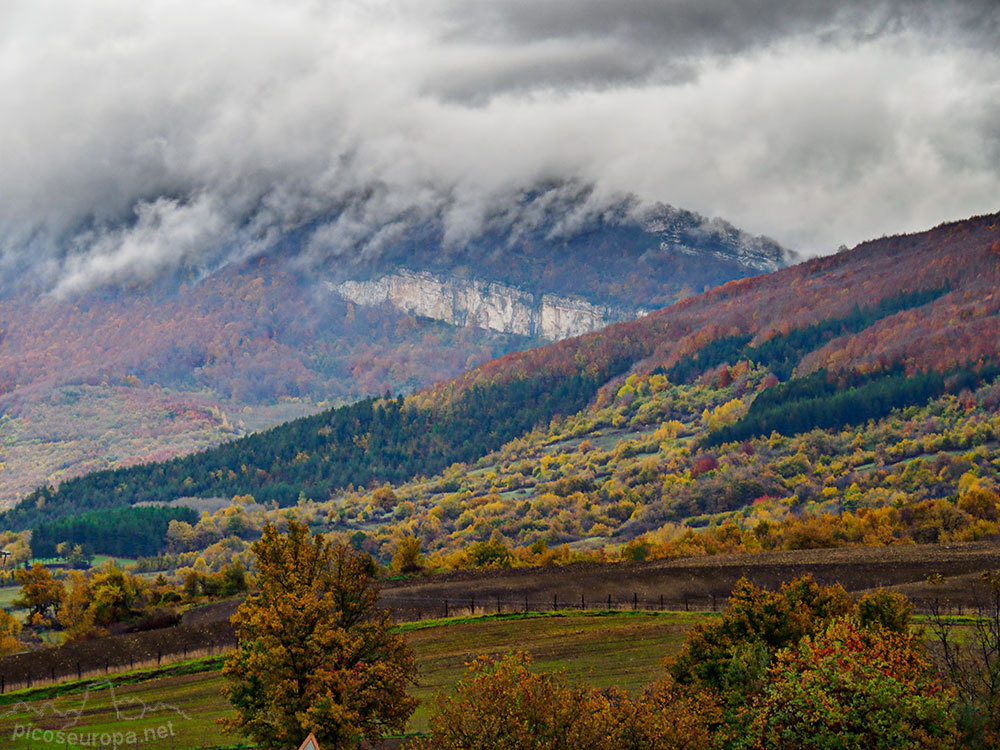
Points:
(126, 708)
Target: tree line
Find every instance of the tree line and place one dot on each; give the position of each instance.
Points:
(827, 400)
(120, 532)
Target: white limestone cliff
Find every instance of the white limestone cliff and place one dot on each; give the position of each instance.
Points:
(484, 304)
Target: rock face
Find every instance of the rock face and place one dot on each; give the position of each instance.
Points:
(689, 234)
(484, 304)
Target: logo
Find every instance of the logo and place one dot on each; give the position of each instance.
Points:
(99, 718)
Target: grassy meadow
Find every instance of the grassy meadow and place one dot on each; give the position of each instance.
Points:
(176, 707)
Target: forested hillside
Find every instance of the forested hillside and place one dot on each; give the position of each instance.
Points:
(124, 374)
(371, 441)
(117, 377)
(827, 345)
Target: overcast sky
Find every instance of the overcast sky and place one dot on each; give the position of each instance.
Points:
(137, 135)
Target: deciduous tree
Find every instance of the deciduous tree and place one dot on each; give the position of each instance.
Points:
(10, 628)
(41, 593)
(408, 558)
(853, 687)
(315, 653)
(732, 653)
(76, 615)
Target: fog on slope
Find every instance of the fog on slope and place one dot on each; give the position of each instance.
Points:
(140, 137)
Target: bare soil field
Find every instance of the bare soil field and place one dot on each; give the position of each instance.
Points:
(700, 583)
(114, 653)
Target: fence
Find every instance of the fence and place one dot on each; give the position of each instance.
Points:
(154, 648)
(407, 608)
(118, 653)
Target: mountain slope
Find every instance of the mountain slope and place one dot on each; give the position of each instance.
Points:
(877, 292)
(624, 257)
(122, 375)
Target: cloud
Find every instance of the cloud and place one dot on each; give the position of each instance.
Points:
(714, 27)
(138, 136)
(165, 233)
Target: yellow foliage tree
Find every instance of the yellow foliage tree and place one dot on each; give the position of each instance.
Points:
(41, 594)
(75, 614)
(315, 654)
(407, 558)
(10, 628)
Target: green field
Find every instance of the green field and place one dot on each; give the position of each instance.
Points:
(602, 649)
(96, 561)
(175, 708)
(8, 594)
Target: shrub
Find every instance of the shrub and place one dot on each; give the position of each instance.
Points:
(888, 609)
(732, 654)
(852, 688)
(503, 704)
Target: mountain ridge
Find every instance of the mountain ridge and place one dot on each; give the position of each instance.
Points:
(950, 277)
(253, 344)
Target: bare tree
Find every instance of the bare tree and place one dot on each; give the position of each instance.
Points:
(968, 652)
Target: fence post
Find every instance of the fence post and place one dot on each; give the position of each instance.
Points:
(609, 601)
(555, 602)
(635, 601)
(525, 602)
(498, 605)
(583, 602)
(472, 607)
(445, 607)
(79, 673)
(713, 602)
(661, 602)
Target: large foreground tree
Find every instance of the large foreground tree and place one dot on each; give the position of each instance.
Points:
(315, 653)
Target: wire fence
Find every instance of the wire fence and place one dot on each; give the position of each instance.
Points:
(158, 648)
(90, 659)
(409, 608)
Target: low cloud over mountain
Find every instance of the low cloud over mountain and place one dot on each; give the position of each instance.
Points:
(137, 137)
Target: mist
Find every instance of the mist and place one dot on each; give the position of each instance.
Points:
(138, 137)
